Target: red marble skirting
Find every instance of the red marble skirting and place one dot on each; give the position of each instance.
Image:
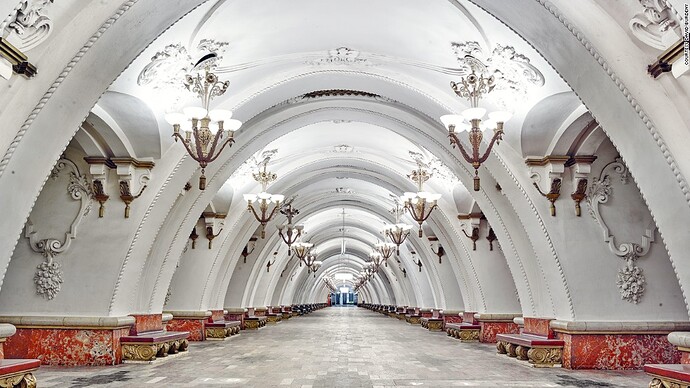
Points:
(488, 330)
(538, 326)
(195, 327)
(71, 347)
(146, 322)
(616, 351)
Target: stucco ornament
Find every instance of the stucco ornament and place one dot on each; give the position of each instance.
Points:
(168, 68)
(513, 73)
(630, 279)
(48, 277)
(437, 168)
(28, 25)
(656, 26)
(243, 174)
(341, 56)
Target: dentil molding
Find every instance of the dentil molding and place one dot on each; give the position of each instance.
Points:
(48, 278)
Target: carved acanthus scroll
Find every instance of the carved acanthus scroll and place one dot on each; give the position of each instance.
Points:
(48, 277)
(28, 25)
(630, 280)
(655, 26)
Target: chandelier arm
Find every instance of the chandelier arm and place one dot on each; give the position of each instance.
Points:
(455, 141)
(429, 213)
(256, 215)
(497, 137)
(213, 146)
(273, 212)
(189, 150)
(230, 141)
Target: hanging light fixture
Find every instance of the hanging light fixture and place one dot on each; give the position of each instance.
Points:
(397, 232)
(376, 260)
(315, 266)
(473, 88)
(309, 261)
(264, 199)
(211, 131)
(385, 250)
(292, 233)
(301, 250)
(422, 203)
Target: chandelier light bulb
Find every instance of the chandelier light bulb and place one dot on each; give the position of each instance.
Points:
(175, 118)
(195, 112)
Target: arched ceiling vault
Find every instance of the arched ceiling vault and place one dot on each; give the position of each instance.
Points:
(341, 150)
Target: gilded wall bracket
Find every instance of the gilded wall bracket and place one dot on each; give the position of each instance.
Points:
(491, 237)
(548, 169)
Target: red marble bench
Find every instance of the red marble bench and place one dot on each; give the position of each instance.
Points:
(414, 317)
(465, 332)
(222, 329)
(148, 345)
(668, 375)
(18, 373)
(540, 351)
(433, 322)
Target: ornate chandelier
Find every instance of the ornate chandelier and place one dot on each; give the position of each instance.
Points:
(211, 131)
(474, 88)
(292, 232)
(376, 260)
(264, 199)
(385, 250)
(422, 203)
(302, 250)
(397, 232)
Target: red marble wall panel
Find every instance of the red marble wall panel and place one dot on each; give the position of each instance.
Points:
(685, 358)
(616, 351)
(216, 315)
(70, 347)
(260, 312)
(425, 314)
(488, 330)
(468, 317)
(147, 322)
(538, 326)
(195, 327)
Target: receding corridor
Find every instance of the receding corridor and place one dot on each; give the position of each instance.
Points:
(337, 347)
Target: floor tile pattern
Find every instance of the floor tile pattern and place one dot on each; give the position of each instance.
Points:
(336, 347)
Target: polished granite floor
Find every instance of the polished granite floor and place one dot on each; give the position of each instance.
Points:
(336, 347)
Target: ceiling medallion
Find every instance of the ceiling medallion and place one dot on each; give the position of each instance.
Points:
(341, 56)
(343, 190)
(343, 148)
(169, 66)
(512, 72)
